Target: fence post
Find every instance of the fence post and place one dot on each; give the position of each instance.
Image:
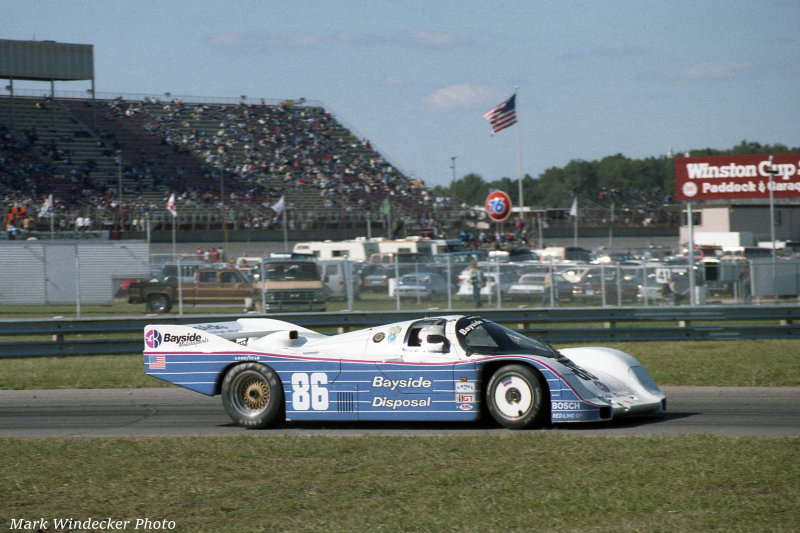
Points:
(77, 281)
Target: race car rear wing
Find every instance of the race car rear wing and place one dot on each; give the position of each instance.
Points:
(252, 327)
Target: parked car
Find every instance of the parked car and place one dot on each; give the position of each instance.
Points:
(290, 285)
(335, 274)
(593, 283)
(375, 278)
(531, 287)
(209, 286)
(425, 284)
(489, 289)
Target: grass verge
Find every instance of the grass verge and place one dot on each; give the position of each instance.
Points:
(520, 482)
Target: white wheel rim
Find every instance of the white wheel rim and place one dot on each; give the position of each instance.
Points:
(513, 397)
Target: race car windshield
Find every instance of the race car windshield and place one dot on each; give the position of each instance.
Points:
(477, 335)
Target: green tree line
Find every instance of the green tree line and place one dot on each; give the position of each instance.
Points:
(643, 180)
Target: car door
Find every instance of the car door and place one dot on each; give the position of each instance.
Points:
(414, 384)
(233, 288)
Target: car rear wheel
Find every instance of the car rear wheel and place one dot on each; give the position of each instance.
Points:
(158, 303)
(516, 397)
(252, 395)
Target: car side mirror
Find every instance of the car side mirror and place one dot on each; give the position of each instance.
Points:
(434, 339)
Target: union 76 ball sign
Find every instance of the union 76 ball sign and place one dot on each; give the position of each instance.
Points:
(498, 205)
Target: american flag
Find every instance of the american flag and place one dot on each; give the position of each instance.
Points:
(158, 363)
(503, 115)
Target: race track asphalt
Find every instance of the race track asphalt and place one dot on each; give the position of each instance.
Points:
(168, 412)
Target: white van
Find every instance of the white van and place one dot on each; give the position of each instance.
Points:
(335, 274)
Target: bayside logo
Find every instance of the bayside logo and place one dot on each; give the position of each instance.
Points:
(189, 339)
(152, 338)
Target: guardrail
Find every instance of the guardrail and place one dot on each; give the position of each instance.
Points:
(556, 325)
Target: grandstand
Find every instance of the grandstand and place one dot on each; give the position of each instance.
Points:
(85, 149)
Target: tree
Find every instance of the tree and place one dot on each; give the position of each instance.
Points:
(643, 181)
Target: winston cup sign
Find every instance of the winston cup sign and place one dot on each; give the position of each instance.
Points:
(737, 177)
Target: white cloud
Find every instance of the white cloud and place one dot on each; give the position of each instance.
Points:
(424, 38)
(459, 96)
(718, 70)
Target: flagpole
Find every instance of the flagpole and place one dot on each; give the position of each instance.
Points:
(575, 235)
(574, 212)
(285, 235)
(519, 164)
(174, 254)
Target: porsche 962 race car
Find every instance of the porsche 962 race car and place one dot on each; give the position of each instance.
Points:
(450, 368)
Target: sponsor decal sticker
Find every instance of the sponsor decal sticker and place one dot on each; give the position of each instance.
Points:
(465, 398)
(393, 333)
(469, 327)
(465, 407)
(409, 383)
(383, 401)
(564, 406)
(152, 338)
(465, 387)
(190, 339)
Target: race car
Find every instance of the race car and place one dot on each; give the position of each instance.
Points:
(447, 368)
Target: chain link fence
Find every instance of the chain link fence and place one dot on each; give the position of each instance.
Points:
(441, 284)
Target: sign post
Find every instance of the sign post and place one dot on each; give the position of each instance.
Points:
(772, 171)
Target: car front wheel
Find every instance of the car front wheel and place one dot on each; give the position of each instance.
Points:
(516, 397)
(252, 395)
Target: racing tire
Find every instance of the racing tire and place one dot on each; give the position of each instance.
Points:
(158, 303)
(252, 395)
(516, 397)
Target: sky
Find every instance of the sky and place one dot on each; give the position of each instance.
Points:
(592, 78)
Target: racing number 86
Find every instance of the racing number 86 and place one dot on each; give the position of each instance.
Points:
(309, 392)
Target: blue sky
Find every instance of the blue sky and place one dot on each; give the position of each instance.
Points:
(595, 78)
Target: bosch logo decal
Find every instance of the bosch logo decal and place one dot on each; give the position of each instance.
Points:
(568, 406)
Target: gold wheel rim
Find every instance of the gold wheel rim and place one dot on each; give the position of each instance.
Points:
(254, 394)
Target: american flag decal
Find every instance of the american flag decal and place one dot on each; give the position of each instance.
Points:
(158, 362)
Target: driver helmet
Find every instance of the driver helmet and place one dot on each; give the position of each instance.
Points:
(431, 338)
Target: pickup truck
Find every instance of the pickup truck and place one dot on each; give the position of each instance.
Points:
(290, 285)
(210, 287)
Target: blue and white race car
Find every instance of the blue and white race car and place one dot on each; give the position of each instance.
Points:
(449, 368)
